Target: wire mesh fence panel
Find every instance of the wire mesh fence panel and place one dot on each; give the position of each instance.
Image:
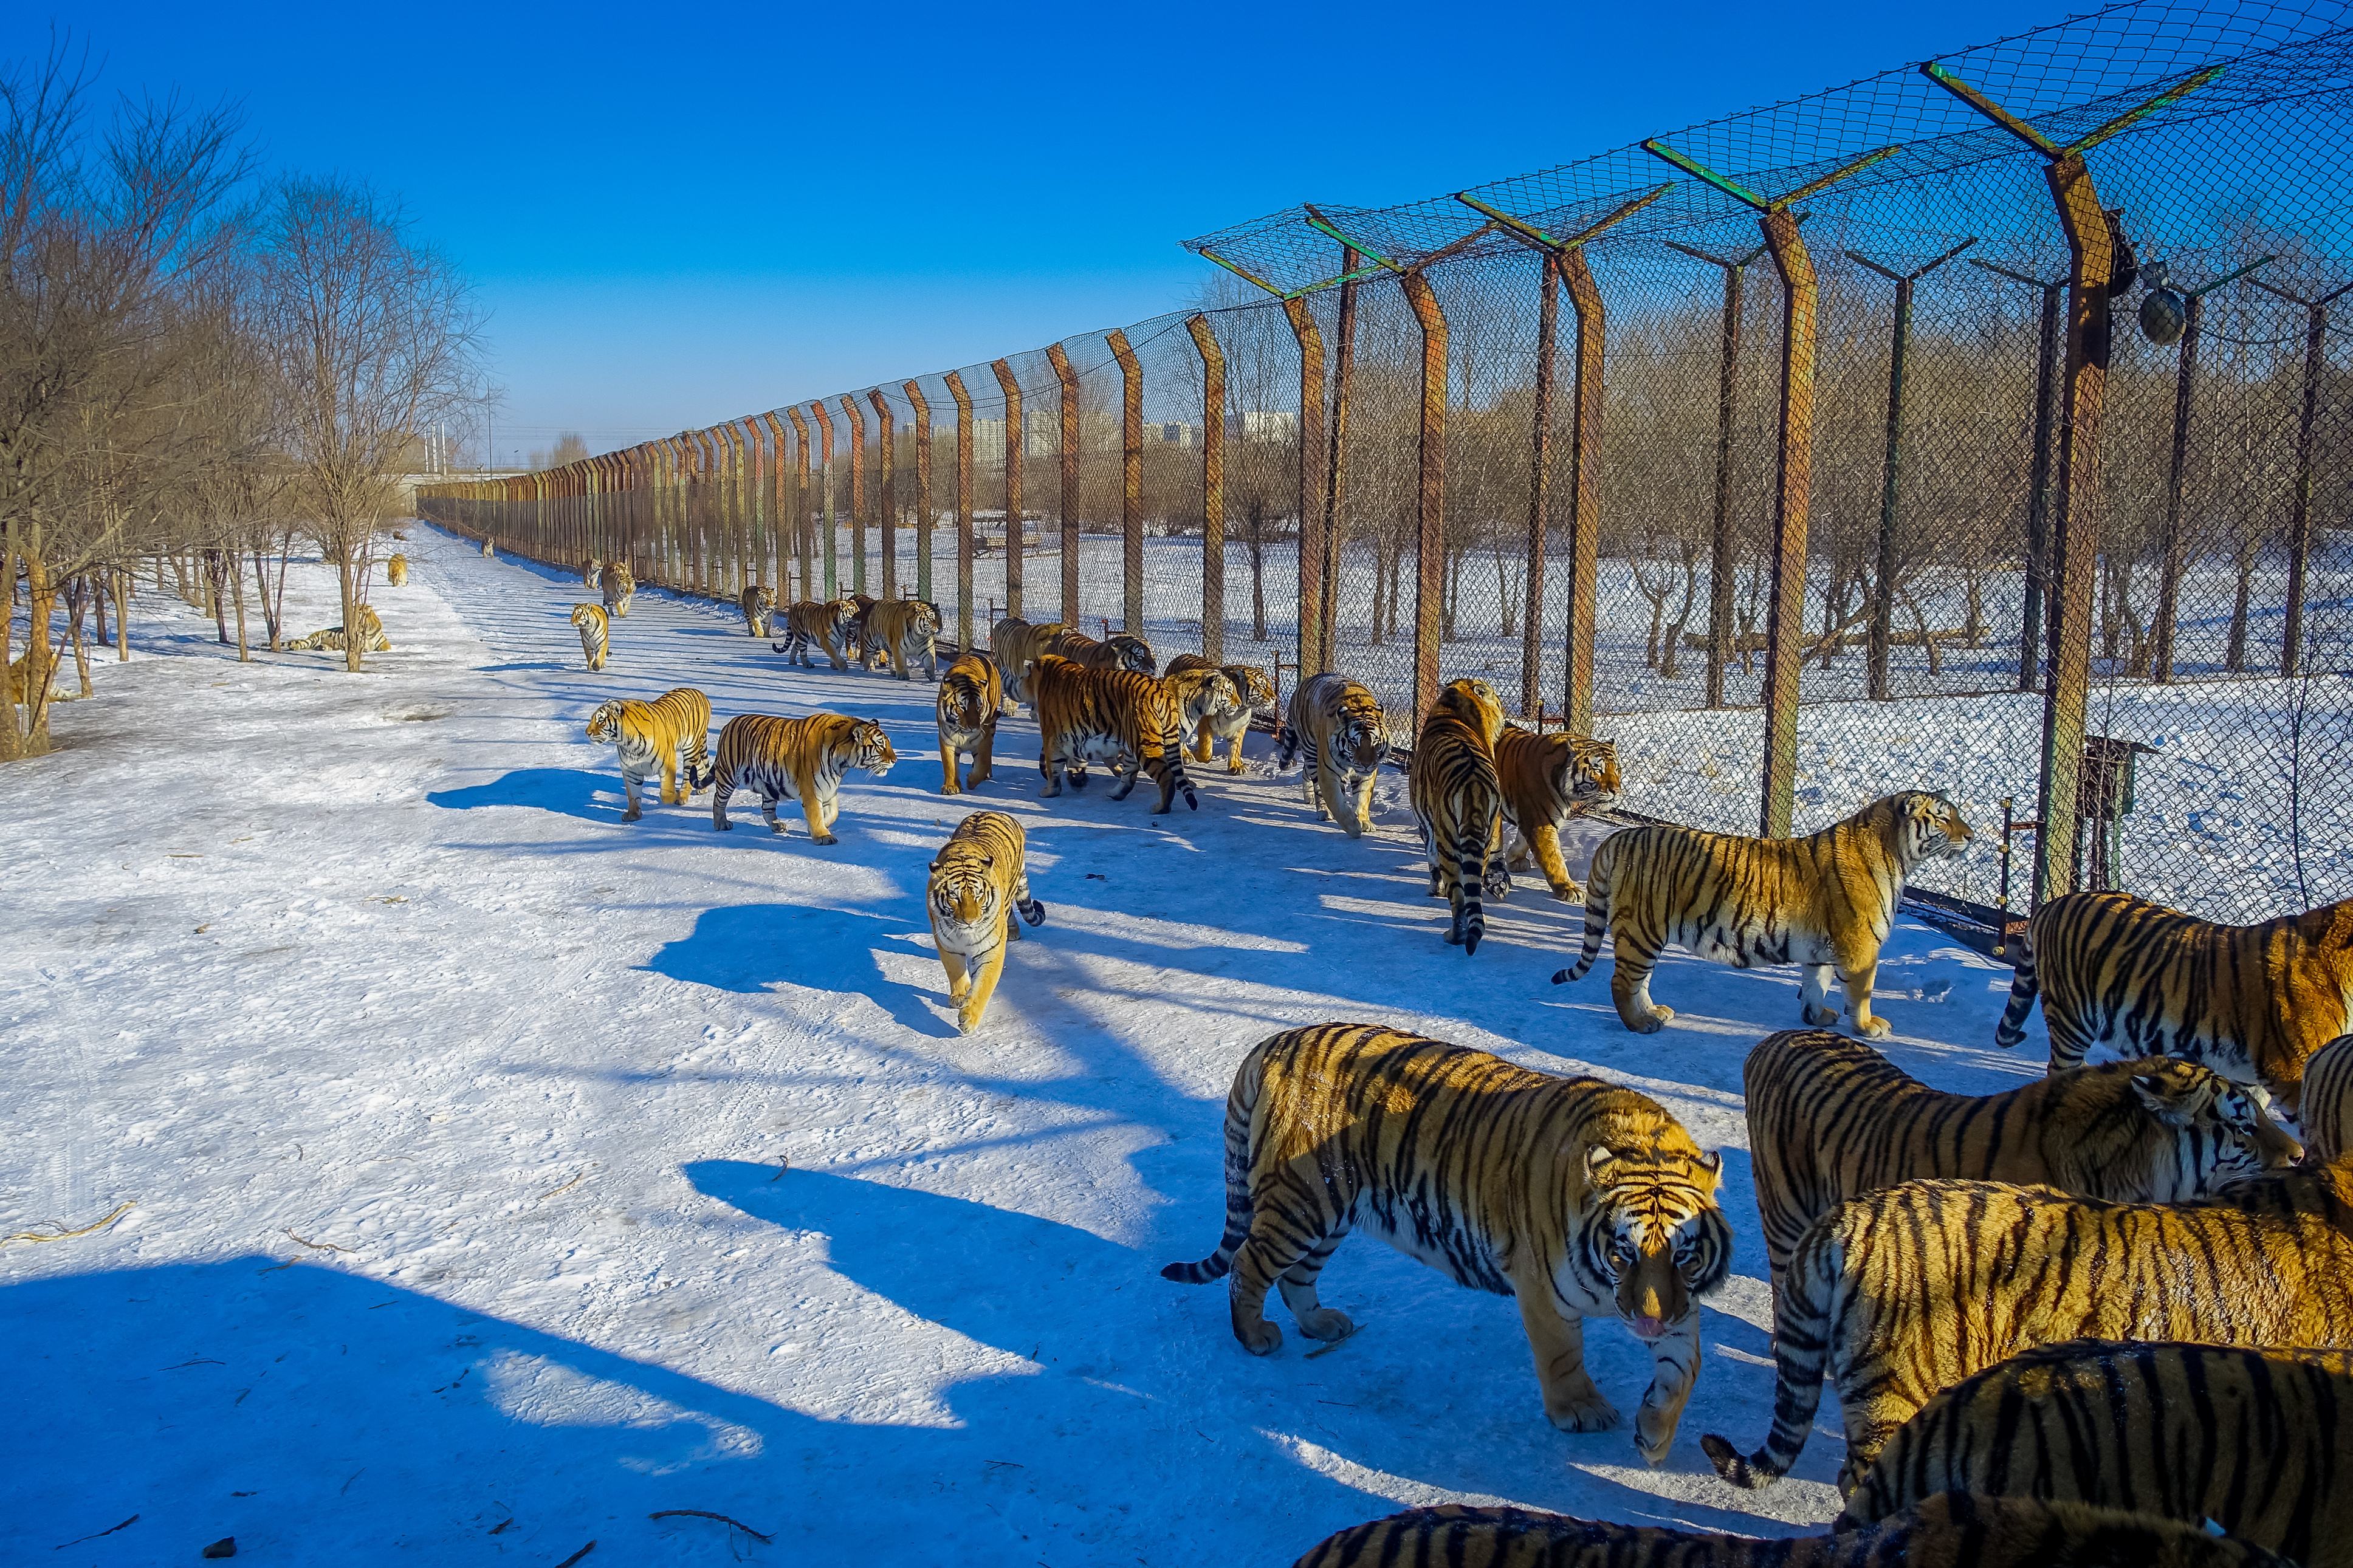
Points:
(1979, 427)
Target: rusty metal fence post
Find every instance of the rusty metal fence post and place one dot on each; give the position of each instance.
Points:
(1314, 653)
(1130, 483)
(1011, 386)
(1429, 534)
(964, 509)
(1335, 472)
(857, 493)
(886, 463)
(824, 497)
(804, 528)
(922, 488)
(1213, 488)
(1060, 361)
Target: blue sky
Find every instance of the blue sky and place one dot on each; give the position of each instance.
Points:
(678, 215)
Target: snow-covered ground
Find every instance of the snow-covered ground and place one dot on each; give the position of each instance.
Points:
(506, 1172)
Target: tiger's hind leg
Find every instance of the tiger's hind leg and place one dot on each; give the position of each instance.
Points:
(1858, 976)
(1572, 1402)
(1278, 1239)
(1297, 1284)
(671, 793)
(1629, 979)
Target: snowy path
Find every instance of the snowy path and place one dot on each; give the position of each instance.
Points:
(372, 960)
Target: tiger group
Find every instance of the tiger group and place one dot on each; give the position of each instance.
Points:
(2105, 1318)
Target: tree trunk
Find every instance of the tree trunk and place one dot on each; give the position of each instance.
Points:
(41, 596)
(214, 572)
(278, 609)
(11, 741)
(121, 576)
(1506, 597)
(236, 586)
(78, 596)
(1674, 640)
(1257, 585)
(1927, 637)
(351, 612)
(261, 581)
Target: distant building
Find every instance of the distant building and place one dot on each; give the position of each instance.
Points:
(1279, 425)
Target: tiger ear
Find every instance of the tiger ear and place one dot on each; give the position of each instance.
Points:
(1595, 1157)
(2166, 1097)
(935, 865)
(1713, 1162)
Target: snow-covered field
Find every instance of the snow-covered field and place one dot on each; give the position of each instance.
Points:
(505, 1173)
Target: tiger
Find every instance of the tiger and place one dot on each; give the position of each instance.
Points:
(1340, 725)
(1254, 689)
(1459, 801)
(979, 881)
(1547, 780)
(1119, 650)
(1205, 695)
(1950, 1529)
(814, 624)
(1830, 1119)
(331, 640)
(2325, 1115)
(1014, 645)
(2252, 1002)
(591, 571)
(1116, 717)
(672, 732)
(2253, 1439)
(20, 679)
(488, 550)
(794, 759)
(1825, 902)
(618, 588)
(903, 630)
(1578, 1197)
(396, 572)
(968, 710)
(594, 628)
(758, 602)
(853, 642)
(1897, 1295)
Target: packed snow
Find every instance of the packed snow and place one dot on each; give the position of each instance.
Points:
(505, 1174)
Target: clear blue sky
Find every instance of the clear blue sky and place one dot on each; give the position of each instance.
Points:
(677, 215)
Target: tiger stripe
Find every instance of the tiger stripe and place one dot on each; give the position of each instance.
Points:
(794, 759)
(1117, 717)
(2325, 1112)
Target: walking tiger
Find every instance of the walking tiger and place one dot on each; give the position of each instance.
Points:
(1826, 901)
(1127, 721)
(1548, 780)
(1347, 737)
(1899, 1294)
(1577, 1198)
(758, 602)
(905, 630)
(814, 624)
(979, 882)
(2252, 1002)
(1254, 689)
(1952, 1529)
(1830, 1119)
(589, 620)
(1014, 645)
(1205, 695)
(967, 708)
(794, 759)
(618, 588)
(396, 572)
(590, 572)
(1458, 801)
(669, 733)
(2254, 1440)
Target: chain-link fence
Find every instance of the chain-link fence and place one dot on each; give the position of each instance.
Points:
(1979, 426)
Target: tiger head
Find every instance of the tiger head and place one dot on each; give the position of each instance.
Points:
(1475, 703)
(1131, 652)
(2211, 1130)
(604, 725)
(845, 610)
(1360, 738)
(764, 599)
(1256, 687)
(1652, 1228)
(923, 619)
(582, 615)
(1588, 778)
(1223, 701)
(866, 746)
(1927, 827)
(964, 890)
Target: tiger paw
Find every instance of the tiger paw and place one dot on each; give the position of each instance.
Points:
(1651, 1022)
(632, 814)
(1873, 1029)
(976, 780)
(723, 825)
(826, 838)
(1326, 1323)
(1261, 1338)
(1569, 893)
(1583, 1413)
(1824, 1017)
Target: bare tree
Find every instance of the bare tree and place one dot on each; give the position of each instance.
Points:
(374, 337)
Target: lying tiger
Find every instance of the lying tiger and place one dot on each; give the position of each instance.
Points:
(814, 624)
(2252, 1440)
(331, 640)
(1576, 1197)
(981, 880)
(20, 680)
(1830, 1119)
(904, 630)
(1951, 1530)
(1254, 689)
(757, 602)
(794, 759)
(595, 629)
(668, 734)
(1826, 902)
(1547, 781)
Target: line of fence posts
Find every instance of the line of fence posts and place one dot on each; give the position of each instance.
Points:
(654, 502)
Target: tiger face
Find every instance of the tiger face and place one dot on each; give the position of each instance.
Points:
(1255, 686)
(964, 893)
(1360, 740)
(1931, 824)
(2227, 1135)
(1656, 1234)
(868, 747)
(1131, 652)
(604, 725)
(1588, 777)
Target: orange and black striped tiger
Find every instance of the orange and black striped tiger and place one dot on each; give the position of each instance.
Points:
(396, 571)
(2259, 1441)
(1119, 650)
(903, 630)
(1826, 901)
(1577, 1198)
(2252, 1002)
(618, 588)
(1952, 1529)
(794, 759)
(1893, 1297)
(669, 732)
(758, 602)
(2326, 1114)
(1128, 722)
(1254, 689)
(967, 709)
(1830, 1119)
(1548, 780)
(981, 880)
(1014, 645)
(1340, 725)
(1458, 801)
(596, 633)
(814, 624)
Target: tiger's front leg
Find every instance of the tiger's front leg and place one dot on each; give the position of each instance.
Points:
(1233, 753)
(899, 663)
(984, 756)
(833, 656)
(948, 754)
(1546, 844)
(1674, 1372)
(984, 970)
(959, 977)
(1571, 1400)
(1205, 743)
(816, 809)
(629, 783)
(1362, 814)
(1858, 977)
